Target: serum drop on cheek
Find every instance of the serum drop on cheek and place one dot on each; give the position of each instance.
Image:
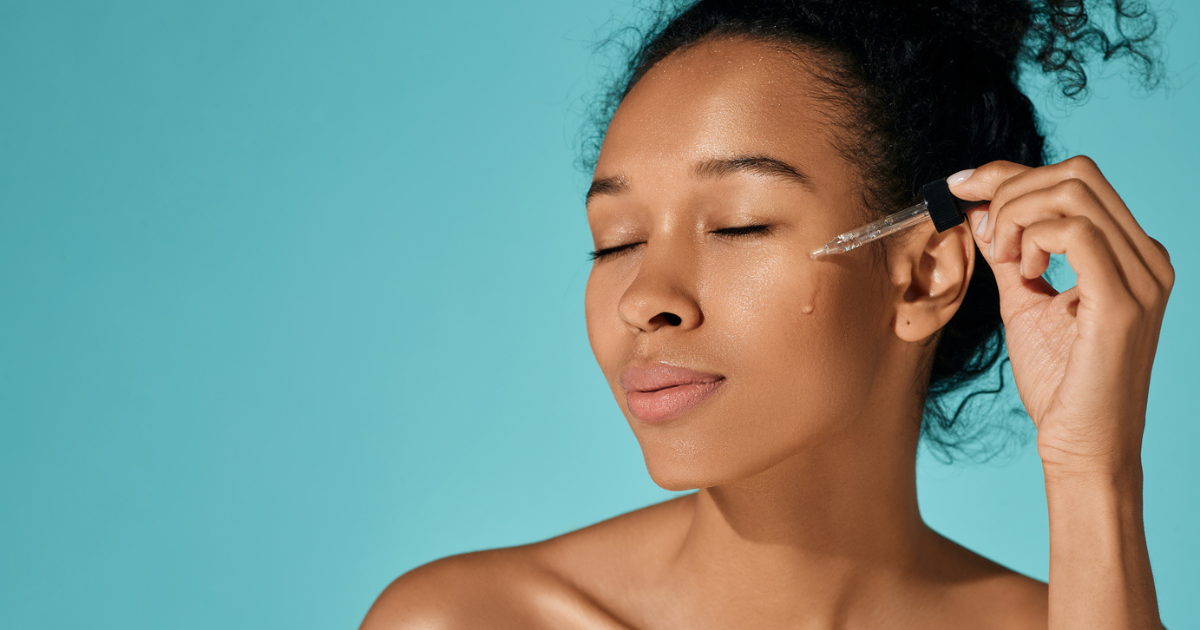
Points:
(815, 289)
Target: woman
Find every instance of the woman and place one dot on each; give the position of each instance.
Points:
(792, 392)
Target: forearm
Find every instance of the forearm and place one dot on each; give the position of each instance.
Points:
(1100, 575)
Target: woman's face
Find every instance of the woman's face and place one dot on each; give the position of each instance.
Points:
(791, 346)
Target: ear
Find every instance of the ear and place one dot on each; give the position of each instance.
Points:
(930, 272)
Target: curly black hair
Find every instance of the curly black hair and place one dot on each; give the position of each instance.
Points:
(926, 88)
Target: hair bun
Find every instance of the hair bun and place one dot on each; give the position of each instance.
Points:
(1058, 36)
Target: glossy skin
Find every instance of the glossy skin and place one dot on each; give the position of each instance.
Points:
(807, 512)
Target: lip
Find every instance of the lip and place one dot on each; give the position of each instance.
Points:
(656, 392)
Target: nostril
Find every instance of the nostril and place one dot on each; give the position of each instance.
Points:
(670, 319)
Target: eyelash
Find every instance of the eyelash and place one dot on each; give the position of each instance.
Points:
(745, 230)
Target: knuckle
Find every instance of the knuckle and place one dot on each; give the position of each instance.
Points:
(1080, 227)
(1004, 192)
(1168, 281)
(1167, 273)
(1080, 165)
(1161, 248)
(1073, 191)
(1002, 165)
(990, 167)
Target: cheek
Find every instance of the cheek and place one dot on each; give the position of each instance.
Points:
(799, 342)
(813, 346)
(603, 323)
(789, 318)
(801, 346)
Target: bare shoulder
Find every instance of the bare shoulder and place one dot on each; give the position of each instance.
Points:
(564, 581)
(1015, 601)
(452, 592)
(991, 593)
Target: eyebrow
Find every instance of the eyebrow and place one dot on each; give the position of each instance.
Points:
(712, 168)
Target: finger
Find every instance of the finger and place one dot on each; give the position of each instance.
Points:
(985, 180)
(1067, 198)
(1168, 273)
(1084, 168)
(1099, 282)
(1002, 181)
(1008, 275)
(1048, 176)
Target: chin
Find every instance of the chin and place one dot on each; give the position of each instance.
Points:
(678, 464)
(697, 454)
(678, 481)
(689, 464)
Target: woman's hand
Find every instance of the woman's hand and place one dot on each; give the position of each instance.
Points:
(1081, 358)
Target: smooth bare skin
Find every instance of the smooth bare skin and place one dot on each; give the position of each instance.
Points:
(806, 515)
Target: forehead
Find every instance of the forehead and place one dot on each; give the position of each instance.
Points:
(719, 97)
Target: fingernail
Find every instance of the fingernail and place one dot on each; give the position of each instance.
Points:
(959, 177)
(981, 223)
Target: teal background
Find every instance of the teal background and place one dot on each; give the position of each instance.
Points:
(291, 301)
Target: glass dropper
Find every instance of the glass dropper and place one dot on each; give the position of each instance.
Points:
(937, 204)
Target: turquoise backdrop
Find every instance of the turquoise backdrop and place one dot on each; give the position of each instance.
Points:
(291, 301)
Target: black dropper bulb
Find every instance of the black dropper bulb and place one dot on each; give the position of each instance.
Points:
(945, 209)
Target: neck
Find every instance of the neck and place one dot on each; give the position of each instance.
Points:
(813, 536)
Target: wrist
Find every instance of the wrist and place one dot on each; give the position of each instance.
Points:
(1100, 573)
(1117, 474)
(1117, 458)
(1098, 500)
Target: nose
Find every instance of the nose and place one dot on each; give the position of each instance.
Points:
(662, 293)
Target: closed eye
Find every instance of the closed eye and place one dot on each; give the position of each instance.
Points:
(611, 252)
(744, 230)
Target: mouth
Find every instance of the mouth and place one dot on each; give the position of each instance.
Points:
(659, 392)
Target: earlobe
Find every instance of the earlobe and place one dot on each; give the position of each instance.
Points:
(931, 273)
